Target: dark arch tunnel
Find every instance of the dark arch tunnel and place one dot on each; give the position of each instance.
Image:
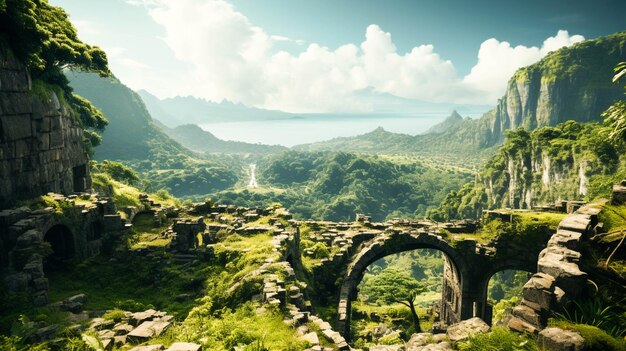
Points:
(61, 242)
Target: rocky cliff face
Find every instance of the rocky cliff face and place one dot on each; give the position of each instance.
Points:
(569, 84)
(41, 148)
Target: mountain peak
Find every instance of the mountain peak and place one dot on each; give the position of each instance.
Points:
(451, 121)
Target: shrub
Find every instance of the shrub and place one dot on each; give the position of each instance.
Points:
(114, 315)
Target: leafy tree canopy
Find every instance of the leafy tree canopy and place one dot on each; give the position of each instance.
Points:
(616, 114)
(42, 37)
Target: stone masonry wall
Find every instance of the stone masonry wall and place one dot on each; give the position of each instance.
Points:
(41, 148)
(558, 277)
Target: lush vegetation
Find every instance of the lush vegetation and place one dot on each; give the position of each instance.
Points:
(570, 161)
(42, 37)
(336, 186)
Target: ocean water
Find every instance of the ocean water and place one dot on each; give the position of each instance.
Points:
(311, 128)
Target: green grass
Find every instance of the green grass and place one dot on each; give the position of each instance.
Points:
(613, 217)
(501, 339)
(248, 325)
(595, 339)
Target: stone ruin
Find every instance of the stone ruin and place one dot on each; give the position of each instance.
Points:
(33, 239)
(41, 144)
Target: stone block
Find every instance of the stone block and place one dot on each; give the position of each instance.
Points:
(576, 223)
(56, 141)
(467, 328)
(521, 326)
(529, 315)
(147, 330)
(184, 346)
(565, 238)
(13, 103)
(14, 81)
(156, 347)
(16, 127)
(540, 290)
(618, 196)
(557, 339)
(311, 338)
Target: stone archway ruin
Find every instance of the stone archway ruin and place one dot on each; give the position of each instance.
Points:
(452, 304)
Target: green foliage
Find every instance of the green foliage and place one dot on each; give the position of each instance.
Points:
(530, 163)
(116, 171)
(500, 339)
(596, 339)
(615, 115)
(336, 186)
(114, 315)
(598, 312)
(390, 286)
(42, 36)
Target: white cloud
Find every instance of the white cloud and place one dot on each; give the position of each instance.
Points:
(233, 59)
(497, 61)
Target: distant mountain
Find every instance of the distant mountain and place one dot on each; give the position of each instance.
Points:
(450, 122)
(134, 138)
(197, 139)
(178, 111)
(387, 104)
(572, 83)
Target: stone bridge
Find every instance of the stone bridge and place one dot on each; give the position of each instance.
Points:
(468, 267)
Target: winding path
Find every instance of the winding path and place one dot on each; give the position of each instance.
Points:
(252, 183)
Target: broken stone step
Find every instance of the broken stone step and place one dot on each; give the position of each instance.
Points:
(146, 331)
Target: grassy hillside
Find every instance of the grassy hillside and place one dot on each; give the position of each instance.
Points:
(134, 138)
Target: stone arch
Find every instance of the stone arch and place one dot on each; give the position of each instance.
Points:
(61, 240)
(380, 247)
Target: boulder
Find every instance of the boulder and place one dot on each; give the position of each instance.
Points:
(557, 339)
(311, 338)
(146, 331)
(467, 328)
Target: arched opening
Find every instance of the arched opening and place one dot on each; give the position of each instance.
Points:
(400, 294)
(61, 242)
(504, 291)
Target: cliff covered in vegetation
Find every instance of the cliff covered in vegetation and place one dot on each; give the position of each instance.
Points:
(570, 161)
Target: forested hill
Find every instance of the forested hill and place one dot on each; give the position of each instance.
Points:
(197, 139)
(573, 83)
(572, 161)
(131, 133)
(134, 138)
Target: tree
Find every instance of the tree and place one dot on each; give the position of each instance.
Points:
(41, 36)
(392, 285)
(615, 115)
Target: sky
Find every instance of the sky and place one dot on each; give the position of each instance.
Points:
(320, 56)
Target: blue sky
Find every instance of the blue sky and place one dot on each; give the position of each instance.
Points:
(316, 56)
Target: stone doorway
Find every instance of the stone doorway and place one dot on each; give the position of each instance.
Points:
(61, 241)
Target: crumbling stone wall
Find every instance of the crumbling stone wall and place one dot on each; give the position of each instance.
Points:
(23, 240)
(559, 277)
(41, 148)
